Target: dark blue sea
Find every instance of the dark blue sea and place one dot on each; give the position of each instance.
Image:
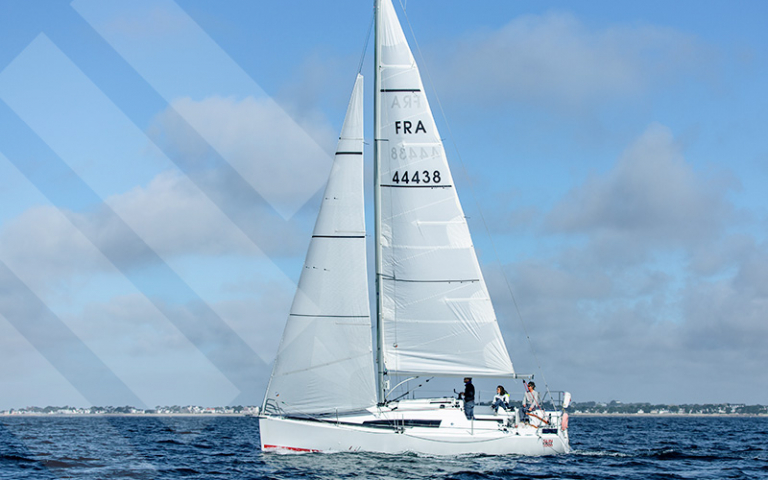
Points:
(227, 447)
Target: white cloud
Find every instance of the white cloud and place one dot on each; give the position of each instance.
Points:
(171, 215)
(647, 296)
(272, 152)
(652, 196)
(62, 257)
(28, 379)
(730, 312)
(556, 60)
(125, 330)
(175, 218)
(259, 318)
(44, 248)
(148, 353)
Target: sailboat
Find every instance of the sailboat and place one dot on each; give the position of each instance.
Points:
(330, 390)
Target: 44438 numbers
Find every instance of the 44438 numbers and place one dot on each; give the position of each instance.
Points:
(425, 176)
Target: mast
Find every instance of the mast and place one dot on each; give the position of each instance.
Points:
(377, 202)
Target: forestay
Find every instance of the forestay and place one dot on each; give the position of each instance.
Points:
(325, 360)
(437, 316)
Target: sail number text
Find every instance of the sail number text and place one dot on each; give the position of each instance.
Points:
(407, 126)
(414, 152)
(424, 176)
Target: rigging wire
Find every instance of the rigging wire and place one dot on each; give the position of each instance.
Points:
(367, 39)
(477, 204)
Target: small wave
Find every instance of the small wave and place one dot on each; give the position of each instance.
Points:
(180, 471)
(750, 448)
(79, 459)
(601, 453)
(670, 454)
(471, 475)
(666, 454)
(132, 473)
(62, 464)
(630, 464)
(170, 442)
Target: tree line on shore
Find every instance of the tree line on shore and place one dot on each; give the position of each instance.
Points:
(130, 410)
(613, 407)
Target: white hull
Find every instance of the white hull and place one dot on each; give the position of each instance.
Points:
(403, 427)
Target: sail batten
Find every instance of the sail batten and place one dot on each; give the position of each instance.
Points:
(436, 314)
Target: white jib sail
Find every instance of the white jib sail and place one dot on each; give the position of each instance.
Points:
(437, 315)
(325, 361)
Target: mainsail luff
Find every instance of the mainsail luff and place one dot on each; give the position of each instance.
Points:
(325, 360)
(435, 313)
(380, 367)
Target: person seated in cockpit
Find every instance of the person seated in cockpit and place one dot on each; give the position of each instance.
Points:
(532, 401)
(500, 400)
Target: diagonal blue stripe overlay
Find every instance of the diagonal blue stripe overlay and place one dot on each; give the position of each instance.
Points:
(160, 284)
(59, 345)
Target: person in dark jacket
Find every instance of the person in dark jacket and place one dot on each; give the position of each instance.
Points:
(469, 398)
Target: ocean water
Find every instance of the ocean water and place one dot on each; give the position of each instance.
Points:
(202, 447)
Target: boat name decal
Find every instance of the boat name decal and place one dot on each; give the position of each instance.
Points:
(547, 442)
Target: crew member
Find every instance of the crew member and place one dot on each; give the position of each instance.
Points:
(531, 401)
(469, 398)
(501, 399)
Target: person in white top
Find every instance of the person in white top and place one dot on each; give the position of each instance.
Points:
(501, 399)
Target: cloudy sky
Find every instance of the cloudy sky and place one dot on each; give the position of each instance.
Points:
(160, 163)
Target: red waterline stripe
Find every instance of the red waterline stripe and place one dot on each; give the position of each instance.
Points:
(292, 449)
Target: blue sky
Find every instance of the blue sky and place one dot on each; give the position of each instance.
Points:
(160, 163)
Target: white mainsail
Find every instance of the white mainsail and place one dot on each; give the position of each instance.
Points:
(325, 360)
(436, 314)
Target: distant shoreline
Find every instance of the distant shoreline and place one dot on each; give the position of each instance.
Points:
(35, 414)
(741, 415)
(572, 414)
